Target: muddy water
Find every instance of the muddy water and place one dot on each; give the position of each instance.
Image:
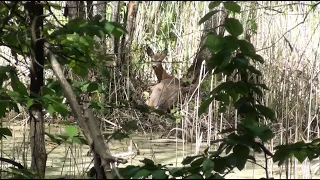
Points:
(71, 160)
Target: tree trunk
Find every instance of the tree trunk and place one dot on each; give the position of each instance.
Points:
(38, 151)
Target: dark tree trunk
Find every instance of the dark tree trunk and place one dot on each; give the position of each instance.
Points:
(38, 151)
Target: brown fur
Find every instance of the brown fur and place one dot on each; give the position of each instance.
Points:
(165, 94)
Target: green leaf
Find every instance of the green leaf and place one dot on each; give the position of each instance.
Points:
(4, 70)
(207, 16)
(53, 138)
(61, 109)
(92, 87)
(159, 174)
(214, 42)
(194, 176)
(29, 103)
(221, 59)
(233, 26)
(23, 173)
(246, 47)
(241, 62)
(259, 58)
(80, 140)
(254, 70)
(221, 164)
(72, 131)
(72, 37)
(252, 158)
(207, 164)
(223, 97)
(50, 109)
(176, 172)
(18, 86)
(109, 27)
(257, 91)
(142, 173)
(230, 43)
(214, 4)
(189, 159)
(80, 69)
(196, 163)
(241, 153)
(118, 30)
(63, 137)
(301, 155)
(265, 111)
(3, 108)
(5, 132)
(229, 148)
(147, 162)
(316, 141)
(266, 135)
(232, 6)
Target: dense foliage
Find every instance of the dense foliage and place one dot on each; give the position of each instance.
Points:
(76, 48)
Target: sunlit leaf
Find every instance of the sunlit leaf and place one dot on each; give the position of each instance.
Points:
(72, 130)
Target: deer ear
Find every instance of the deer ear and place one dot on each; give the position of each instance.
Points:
(150, 51)
(163, 54)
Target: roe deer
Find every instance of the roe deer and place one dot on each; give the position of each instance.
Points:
(165, 94)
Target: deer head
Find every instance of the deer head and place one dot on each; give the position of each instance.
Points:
(157, 64)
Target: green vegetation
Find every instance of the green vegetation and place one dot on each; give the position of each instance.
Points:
(75, 47)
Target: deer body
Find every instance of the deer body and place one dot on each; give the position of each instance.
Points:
(165, 94)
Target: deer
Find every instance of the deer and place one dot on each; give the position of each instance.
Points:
(165, 94)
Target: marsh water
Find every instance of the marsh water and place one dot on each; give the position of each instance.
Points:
(71, 160)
